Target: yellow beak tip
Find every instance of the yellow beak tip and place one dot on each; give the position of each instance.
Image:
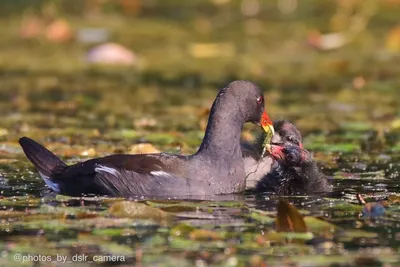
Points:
(271, 128)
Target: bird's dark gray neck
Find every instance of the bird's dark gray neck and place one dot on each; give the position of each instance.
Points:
(224, 128)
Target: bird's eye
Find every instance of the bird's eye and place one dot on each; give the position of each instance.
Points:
(260, 99)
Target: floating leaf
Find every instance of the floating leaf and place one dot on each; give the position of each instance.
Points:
(394, 199)
(262, 218)
(185, 244)
(7, 214)
(116, 249)
(132, 209)
(112, 232)
(297, 236)
(316, 225)
(350, 234)
(205, 235)
(182, 230)
(281, 237)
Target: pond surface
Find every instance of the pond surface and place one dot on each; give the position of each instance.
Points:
(83, 116)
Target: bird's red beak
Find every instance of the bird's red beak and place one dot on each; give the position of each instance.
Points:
(266, 124)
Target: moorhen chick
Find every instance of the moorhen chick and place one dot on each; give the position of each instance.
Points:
(296, 172)
(216, 168)
(283, 171)
(255, 167)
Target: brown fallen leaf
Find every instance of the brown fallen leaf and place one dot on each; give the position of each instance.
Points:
(289, 219)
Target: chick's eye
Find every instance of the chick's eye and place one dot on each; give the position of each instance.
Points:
(260, 99)
(293, 140)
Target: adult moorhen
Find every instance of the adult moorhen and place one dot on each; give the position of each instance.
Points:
(296, 172)
(216, 168)
(255, 167)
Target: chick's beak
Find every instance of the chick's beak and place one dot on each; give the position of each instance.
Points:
(266, 124)
(275, 151)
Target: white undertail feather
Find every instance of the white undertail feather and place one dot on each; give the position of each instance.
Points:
(52, 185)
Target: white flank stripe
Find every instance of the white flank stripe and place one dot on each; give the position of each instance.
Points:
(106, 169)
(160, 173)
